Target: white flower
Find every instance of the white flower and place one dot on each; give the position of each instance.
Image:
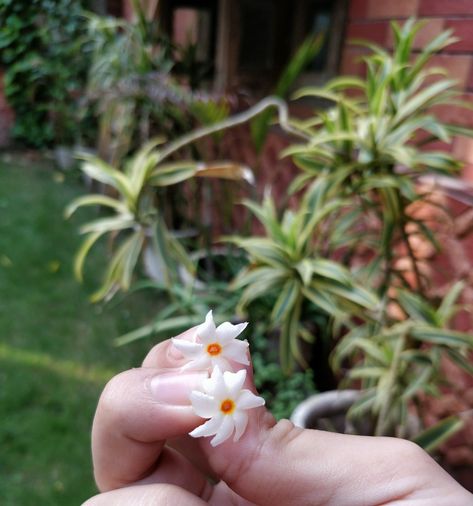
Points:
(214, 346)
(225, 403)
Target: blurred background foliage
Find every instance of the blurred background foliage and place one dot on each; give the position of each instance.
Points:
(43, 48)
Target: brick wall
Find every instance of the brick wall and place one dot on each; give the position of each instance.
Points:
(369, 19)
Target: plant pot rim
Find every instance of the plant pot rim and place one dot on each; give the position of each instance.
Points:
(324, 404)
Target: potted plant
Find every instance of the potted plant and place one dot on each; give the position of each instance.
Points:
(332, 267)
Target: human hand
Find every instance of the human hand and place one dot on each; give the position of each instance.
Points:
(143, 455)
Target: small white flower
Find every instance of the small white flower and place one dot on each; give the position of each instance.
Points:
(225, 403)
(214, 346)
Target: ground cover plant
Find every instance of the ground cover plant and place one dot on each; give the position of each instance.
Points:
(56, 353)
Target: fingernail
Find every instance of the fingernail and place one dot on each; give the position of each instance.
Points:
(174, 388)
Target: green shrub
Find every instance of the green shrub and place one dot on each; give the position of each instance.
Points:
(41, 48)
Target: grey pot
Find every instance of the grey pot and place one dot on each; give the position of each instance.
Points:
(327, 411)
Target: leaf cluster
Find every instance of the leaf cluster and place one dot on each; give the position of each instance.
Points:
(41, 47)
(136, 217)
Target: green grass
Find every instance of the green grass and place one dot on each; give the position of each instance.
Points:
(56, 350)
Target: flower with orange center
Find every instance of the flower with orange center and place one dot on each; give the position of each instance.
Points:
(225, 403)
(214, 346)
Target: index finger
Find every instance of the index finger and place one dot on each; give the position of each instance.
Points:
(138, 410)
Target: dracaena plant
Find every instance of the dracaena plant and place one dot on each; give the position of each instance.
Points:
(399, 362)
(291, 262)
(374, 141)
(365, 155)
(137, 218)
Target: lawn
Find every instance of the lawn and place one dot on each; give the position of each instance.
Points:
(56, 350)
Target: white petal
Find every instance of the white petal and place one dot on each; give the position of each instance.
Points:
(234, 382)
(222, 363)
(209, 428)
(204, 405)
(215, 385)
(248, 400)
(224, 432)
(198, 363)
(206, 331)
(187, 348)
(240, 418)
(227, 331)
(216, 374)
(237, 351)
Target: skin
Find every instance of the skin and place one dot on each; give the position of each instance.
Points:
(142, 454)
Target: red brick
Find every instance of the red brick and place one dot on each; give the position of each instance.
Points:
(128, 12)
(455, 114)
(463, 149)
(467, 173)
(374, 32)
(462, 29)
(445, 7)
(350, 63)
(378, 9)
(439, 146)
(358, 9)
(457, 66)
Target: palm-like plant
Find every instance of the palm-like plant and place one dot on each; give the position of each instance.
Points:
(289, 261)
(400, 361)
(137, 216)
(374, 140)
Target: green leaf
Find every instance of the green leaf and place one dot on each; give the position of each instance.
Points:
(99, 170)
(265, 285)
(434, 436)
(462, 360)
(419, 383)
(82, 253)
(321, 299)
(170, 326)
(144, 162)
(263, 250)
(266, 214)
(428, 96)
(94, 200)
(289, 334)
(364, 404)
(131, 257)
(357, 294)
(367, 372)
(332, 270)
(172, 173)
(304, 268)
(447, 307)
(161, 240)
(115, 223)
(345, 82)
(285, 301)
(114, 272)
(417, 308)
(450, 338)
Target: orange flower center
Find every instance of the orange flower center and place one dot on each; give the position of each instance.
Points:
(227, 407)
(214, 349)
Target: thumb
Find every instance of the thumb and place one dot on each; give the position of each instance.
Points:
(278, 463)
